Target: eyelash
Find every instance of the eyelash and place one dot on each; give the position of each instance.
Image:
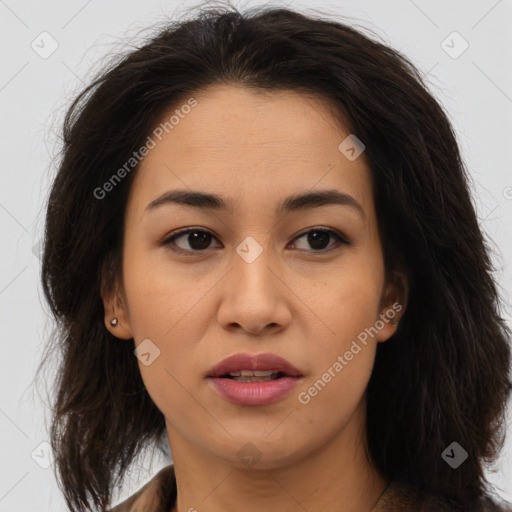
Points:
(169, 241)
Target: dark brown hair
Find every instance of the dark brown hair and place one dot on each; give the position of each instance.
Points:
(444, 375)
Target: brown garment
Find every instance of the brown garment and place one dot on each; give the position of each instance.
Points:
(159, 495)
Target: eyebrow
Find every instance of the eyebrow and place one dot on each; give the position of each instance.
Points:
(293, 203)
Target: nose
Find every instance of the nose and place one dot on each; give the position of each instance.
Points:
(255, 297)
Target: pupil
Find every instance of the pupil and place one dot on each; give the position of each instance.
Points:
(318, 239)
(199, 240)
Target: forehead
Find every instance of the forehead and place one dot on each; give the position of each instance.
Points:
(251, 146)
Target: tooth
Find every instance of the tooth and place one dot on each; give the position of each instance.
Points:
(253, 378)
(257, 373)
(235, 374)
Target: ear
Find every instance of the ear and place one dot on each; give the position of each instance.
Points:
(393, 304)
(114, 304)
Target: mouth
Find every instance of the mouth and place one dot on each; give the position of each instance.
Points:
(254, 376)
(255, 367)
(247, 379)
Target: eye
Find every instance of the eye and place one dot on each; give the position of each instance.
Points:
(319, 238)
(198, 240)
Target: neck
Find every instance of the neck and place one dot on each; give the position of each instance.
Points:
(335, 477)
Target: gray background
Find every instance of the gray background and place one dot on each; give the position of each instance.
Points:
(474, 86)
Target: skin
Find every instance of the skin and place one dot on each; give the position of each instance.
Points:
(303, 303)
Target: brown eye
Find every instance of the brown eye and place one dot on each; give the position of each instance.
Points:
(194, 240)
(319, 239)
(199, 240)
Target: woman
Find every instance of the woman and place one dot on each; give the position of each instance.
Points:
(261, 249)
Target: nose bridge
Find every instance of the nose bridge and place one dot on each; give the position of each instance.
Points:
(251, 264)
(252, 296)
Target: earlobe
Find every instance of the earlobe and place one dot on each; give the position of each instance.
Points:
(395, 300)
(388, 322)
(116, 319)
(117, 323)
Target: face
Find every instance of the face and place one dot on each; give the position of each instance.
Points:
(256, 273)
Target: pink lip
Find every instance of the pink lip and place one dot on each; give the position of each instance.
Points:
(264, 361)
(254, 393)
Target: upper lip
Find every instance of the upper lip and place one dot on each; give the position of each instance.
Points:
(264, 361)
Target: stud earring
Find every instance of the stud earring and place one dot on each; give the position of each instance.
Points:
(113, 322)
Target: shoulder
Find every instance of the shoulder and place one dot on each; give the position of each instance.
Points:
(157, 495)
(401, 498)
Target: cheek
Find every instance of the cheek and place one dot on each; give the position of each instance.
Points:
(342, 363)
(344, 354)
(168, 309)
(161, 299)
(347, 303)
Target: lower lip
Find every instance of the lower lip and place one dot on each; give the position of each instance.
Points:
(254, 393)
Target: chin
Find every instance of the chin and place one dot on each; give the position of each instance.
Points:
(263, 452)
